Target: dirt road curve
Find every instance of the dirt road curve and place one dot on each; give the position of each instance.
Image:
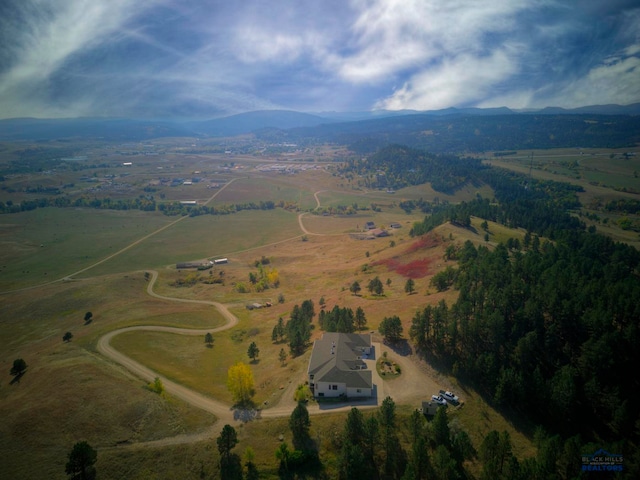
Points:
(222, 411)
(413, 386)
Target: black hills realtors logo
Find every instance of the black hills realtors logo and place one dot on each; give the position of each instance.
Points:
(602, 461)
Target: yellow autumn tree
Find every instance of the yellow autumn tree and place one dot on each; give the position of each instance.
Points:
(273, 277)
(240, 383)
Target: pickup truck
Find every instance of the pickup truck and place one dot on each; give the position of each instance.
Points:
(450, 397)
(438, 399)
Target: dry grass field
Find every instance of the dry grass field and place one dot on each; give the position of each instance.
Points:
(71, 392)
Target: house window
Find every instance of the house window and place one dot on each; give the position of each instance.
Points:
(334, 387)
(358, 390)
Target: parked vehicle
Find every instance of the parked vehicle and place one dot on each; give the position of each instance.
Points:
(438, 399)
(450, 397)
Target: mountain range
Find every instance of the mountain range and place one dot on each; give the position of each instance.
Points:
(451, 129)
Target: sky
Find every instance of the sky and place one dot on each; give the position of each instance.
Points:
(210, 58)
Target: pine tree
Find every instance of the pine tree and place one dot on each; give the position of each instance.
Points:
(253, 351)
(409, 286)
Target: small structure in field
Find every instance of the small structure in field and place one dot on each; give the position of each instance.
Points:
(196, 265)
(379, 232)
(429, 409)
(220, 261)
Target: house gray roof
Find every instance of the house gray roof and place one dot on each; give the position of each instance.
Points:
(336, 358)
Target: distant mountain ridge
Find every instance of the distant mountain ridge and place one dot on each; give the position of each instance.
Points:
(98, 128)
(334, 126)
(248, 122)
(611, 109)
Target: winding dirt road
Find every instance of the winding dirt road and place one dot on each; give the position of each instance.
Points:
(225, 413)
(222, 411)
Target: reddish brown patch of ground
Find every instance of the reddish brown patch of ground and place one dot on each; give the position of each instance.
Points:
(415, 269)
(429, 240)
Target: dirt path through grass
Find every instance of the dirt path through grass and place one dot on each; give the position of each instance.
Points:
(226, 414)
(122, 250)
(219, 409)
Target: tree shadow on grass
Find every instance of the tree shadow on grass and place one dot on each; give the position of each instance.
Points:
(400, 347)
(246, 412)
(16, 379)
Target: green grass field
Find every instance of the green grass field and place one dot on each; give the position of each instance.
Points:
(203, 237)
(45, 244)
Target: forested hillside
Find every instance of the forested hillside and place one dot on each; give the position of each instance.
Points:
(546, 327)
(397, 166)
(549, 331)
(476, 133)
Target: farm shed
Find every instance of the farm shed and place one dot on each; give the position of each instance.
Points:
(182, 265)
(379, 232)
(429, 408)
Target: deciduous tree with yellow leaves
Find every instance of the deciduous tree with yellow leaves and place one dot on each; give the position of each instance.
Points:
(240, 383)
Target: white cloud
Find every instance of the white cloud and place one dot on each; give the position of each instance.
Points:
(616, 80)
(455, 81)
(84, 57)
(261, 46)
(390, 37)
(50, 38)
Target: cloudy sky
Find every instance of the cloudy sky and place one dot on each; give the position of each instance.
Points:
(208, 58)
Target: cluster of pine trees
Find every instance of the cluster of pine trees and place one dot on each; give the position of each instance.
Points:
(552, 332)
(143, 202)
(342, 320)
(396, 166)
(387, 445)
(298, 328)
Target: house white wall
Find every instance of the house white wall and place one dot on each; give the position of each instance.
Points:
(358, 392)
(327, 389)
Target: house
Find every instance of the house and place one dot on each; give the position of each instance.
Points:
(337, 366)
(395, 225)
(220, 261)
(369, 226)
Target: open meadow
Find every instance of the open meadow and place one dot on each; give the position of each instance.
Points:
(58, 264)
